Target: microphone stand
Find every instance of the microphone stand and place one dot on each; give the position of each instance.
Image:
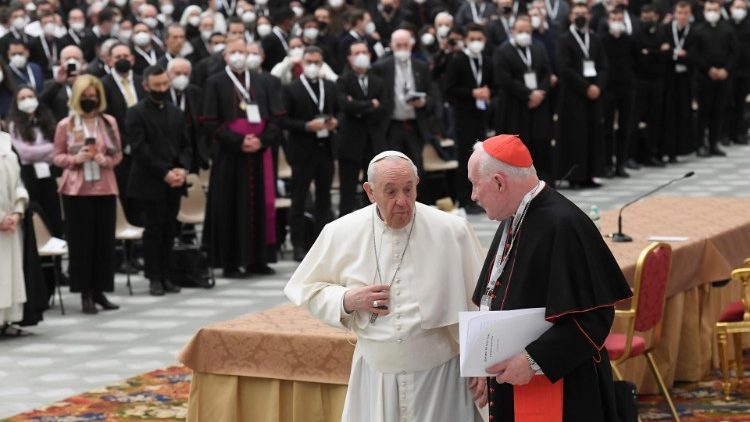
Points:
(620, 237)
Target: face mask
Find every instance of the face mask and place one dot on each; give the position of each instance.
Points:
(361, 61)
(28, 105)
(616, 28)
(443, 30)
(19, 23)
(264, 29)
(712, 16)
(523, 39)
(88, 105)
(218, 48)
(310, 33)
(739, 14)
(18, 60)
(311, 71)
(507, 10)
(121, 3)
(194, 21)
(151, 22)
(254, 61)
(402, 55)
(419, 1)
(142, 39)
(125, 35)
(123, 66)
(536, 21)
(370, 28)
(296, 52)
(427, 39)
(206, 35)
(336, 3)
(49, 29)
(158, 96)
(180, 82)
(248, 17)
(580, 21)
(388, 8)
(30, 7)
(322, 26)
(296, 31)
(167, 9)
(298, 11)
(77, 26)
(237, 61)
(476, 47)
(261, 2)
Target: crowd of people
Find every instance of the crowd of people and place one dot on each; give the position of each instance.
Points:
(119, 101)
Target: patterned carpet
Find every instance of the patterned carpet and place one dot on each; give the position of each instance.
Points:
(162, 395)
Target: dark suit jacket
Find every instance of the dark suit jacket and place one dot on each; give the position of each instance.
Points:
(459, 82)
(274, 50)
(6, 40)
(140, 63)
(36, 70)
(300, 109)
(90, 43)
(193, 110)
(69, 40)
(55, 96)
(159, 142)
(199, 49)
(97, 68)
(37, 55)
(206, 68)
(117, 107)
(360, 121)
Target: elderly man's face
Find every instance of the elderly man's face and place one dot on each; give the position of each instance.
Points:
(489, 190)
(394, 191)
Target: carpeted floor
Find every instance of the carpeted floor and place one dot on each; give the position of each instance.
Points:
(162, 396)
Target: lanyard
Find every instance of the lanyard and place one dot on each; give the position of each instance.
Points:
(181, 103)
(51, 55)
(230, 7)
(628, 23)
(525, 58)
(150, 56)
(679, 42)
(320, 102)
(86, 132)
(244, 91)
(476, 71)
(477, 14)
(68, 91)
(282, 38)
(30, 78)
(74, 36)
(552, 9)
(583, 43)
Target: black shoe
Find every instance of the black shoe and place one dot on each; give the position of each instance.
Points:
(673, 160)
(703, 152)
(654, 162)
(620, 172)
(609, 173)
(299, 254)
(262, 270)
(591, 185)
(632, 165)
(155, 288)
(170, 287)
(234, 273)
(126, 268)
(88, 306)
(473, 209)
(102, 301)
(716, 152)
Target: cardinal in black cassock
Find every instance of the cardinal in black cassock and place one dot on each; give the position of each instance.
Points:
(558, 261)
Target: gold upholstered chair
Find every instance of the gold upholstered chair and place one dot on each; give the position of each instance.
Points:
(734, 320)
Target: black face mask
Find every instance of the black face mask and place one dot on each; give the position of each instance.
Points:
(580, 21)
(322, 26)
(123, 66)
(388, 8)
(88, 105)
(507, 10)
(158, 96)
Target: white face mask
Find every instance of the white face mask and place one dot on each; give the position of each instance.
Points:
(19, 23)
(336, 3)
(206, 35)
(523, 39)
(261, 2)
(121, 3)
(443, 30)
(194, 20)
(28, 105)
(18, 60)
(427, 39)
(536, 21)
(370, 28)
(361, 61)
(167, 8)
(49, 29)
(77, 26)
(419, 1)
(311, 71)
(476, 47)
(180, 82)
(142, 39)
(296, 52)
(616, 28)
(30, 7)
(264, 29)
(248, 17)
(237, 61)
(298, 11)
(254, 61)
(402, 55)
(151, 22)
(712, 16)
(125, 35)
(218, 48)
(739, 14)
(310, 33)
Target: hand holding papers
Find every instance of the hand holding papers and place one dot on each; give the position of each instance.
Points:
(490, 337)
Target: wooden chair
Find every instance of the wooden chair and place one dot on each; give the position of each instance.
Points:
(734, 320)
(49, 247)
(645, 314)
(125, 231)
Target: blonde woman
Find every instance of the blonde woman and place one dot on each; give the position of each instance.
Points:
(87, 148)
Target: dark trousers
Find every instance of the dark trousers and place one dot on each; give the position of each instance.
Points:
(736, 125)
(649, 103)
(712, 105)
(616, 143)
(348, 181)
(90, 232)
(403, 136)
(471, 127)
(160, 229)
(317, 167)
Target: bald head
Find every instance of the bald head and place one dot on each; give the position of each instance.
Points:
(71, 52)
(401, 37)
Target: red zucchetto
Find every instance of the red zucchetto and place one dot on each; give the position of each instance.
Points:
(509, 149)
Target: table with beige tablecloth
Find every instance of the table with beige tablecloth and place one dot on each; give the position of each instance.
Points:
(282, 365)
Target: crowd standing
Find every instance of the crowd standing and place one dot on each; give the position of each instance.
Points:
(114, 103)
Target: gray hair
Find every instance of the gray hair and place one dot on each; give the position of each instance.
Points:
(178, 60)
(490, 165)
(443, 15)
(372, 170)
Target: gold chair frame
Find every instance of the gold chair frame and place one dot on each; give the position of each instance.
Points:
(735, 329)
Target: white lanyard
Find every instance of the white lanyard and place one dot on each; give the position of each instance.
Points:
(320, 102)
(355, 35)
(507, 24)
(476, 71)
(583, 43)
(477, 14)
(679, 42)
(51, 55)
(76, 38)
(229, 6)
(281, 37)
(628, 23)
(526, 59)
(170, 57)
(68, 91)
(86, 133)
(30, 77)
(249, 37)
(181, 104)
(552, 9)
(19, 35)
(150, 56)
(244, 91)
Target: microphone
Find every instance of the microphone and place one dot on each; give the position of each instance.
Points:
(622, 237)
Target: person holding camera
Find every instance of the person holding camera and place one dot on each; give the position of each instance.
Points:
(311, 103)
(87, 148)
(56, 92)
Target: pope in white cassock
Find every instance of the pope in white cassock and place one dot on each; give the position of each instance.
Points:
(397, 273)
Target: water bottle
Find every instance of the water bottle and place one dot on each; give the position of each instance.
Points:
(594, 215)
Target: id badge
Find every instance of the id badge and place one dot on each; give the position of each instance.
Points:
(253, 113)
(91, 171)
(42, 170)
(323, 133)
(680, 68)
(589, 69)
(481, 105)
(529, 78)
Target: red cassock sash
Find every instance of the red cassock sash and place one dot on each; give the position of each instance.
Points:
(538, 401)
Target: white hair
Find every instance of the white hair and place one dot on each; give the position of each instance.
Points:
(372, 170)
(489, 165)
(178, 60)
(443, 15)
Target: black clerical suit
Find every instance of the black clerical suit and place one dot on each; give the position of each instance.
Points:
(98, 68)
(736, 127)
(309, 153)
(533, 125)
(715, 46)
(200, 49)
(275, 48)
(72, 38)
(144, 59)
(190, 102)
(472, 117)
(206, 68)
(13, 35)
(159, 143)
(361, 130)
(580, 123)
(46, 53)
(679, 133)
(91, 41)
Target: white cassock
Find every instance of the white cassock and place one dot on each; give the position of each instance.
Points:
(405, 365)
(13, 198)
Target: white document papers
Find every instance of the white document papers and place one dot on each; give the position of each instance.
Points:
(490, 337)
(54, 246)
